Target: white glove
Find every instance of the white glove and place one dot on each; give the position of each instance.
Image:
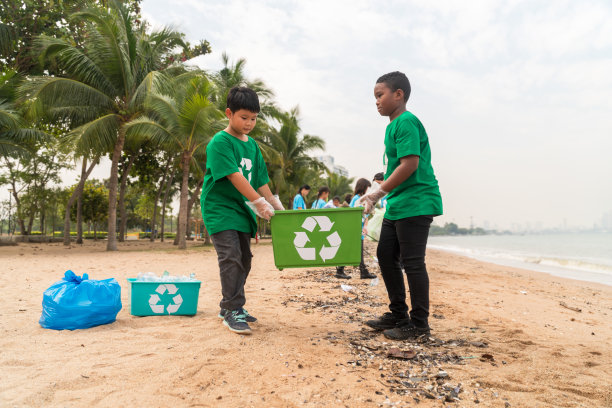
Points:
(262, 208)
(369, 201)
(275, 202)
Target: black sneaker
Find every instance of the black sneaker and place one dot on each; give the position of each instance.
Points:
(235, 320)
(386, 321)
(407, 332)
(249, 318)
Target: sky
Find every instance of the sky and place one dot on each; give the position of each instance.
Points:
(515, 95)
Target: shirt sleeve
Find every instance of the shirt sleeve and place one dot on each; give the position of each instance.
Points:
(407, 139)
(262, 170)
(220, 159)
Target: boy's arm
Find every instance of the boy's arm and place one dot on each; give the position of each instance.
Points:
(407, 166)
(271, 198)
(244, 187)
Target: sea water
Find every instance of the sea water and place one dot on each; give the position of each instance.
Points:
(584, 256)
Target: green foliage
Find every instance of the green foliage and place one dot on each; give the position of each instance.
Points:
(24, 20)
(94, 203)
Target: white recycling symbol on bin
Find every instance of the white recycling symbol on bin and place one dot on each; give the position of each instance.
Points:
(172, 307)
(301, 238)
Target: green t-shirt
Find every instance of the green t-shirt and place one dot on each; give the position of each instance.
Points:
(419, 194)
(223, 207)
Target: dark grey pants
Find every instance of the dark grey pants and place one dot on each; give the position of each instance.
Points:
(234, 255)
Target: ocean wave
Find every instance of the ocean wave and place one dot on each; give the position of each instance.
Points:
(593, 266)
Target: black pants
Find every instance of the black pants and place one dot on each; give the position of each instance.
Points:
(402, 243)
(234, 255)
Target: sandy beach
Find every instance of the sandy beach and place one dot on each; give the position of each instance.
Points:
(501, 337)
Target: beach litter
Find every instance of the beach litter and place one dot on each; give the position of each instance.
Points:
(165, 277)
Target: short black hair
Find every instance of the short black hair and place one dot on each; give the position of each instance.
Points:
(379, 176)
(241, 97)
(347, 198)
(396, 80)
(336, 198)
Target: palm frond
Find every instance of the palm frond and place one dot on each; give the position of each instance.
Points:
(74, 62)
(99, 135)
(155, 82)
(47, 96)
(145, 128)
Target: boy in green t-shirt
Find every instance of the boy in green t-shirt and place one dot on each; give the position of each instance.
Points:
(236, 173)
(412, 202)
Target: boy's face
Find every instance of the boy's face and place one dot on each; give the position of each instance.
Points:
(336, 202)
(242, 121)
(387, 101)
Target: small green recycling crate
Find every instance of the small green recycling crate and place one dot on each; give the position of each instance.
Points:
(324, 237)
(164, 298)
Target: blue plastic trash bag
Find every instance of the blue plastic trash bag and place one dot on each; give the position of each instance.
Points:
(79, 303)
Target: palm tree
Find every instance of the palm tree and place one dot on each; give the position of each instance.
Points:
(339, 185)
(187, 119)
(232, 75)
(286, 152)
(103, 83)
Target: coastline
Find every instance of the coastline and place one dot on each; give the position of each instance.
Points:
(516, 337)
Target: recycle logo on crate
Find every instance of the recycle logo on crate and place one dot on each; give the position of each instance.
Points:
(173, 306)
(301, 238)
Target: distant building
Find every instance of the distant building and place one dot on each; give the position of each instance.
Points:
(329, 162)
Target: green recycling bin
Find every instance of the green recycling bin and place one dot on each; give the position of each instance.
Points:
(325, 237)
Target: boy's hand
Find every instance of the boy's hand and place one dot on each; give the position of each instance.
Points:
(369, 201)
(275, 202)
(263, 208)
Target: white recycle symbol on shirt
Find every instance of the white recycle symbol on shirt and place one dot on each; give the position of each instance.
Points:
(301, 238)
(172, 307)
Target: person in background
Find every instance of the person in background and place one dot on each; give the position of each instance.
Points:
(360, 189)
(333, 203)
(322, 196)
(378, 179)
(299, 201)
(347, 200)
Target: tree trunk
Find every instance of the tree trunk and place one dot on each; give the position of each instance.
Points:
(79, 218)
(159, 191)
(193, 197)
(77, 192)
(183, 215)
(112, 191)
(163, 220)
(30, 223)
(95, 231)
(122, 211)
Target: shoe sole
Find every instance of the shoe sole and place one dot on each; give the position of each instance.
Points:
(254, 319)
(415, 337)
(246, 331)
(379, 328)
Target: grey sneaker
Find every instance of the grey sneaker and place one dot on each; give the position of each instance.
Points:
(407, 332)
(235, 320)
(249, 318)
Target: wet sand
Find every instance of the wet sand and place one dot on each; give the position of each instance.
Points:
(501, 337)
